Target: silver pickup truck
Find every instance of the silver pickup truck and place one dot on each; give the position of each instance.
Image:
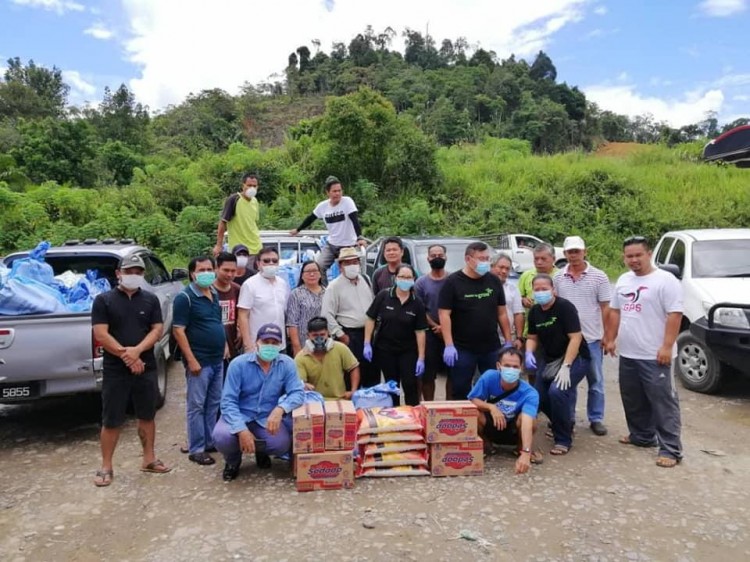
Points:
(47, 355)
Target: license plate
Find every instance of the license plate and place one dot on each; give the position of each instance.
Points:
(17, 392)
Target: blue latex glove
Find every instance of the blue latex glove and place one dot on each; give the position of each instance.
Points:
(506, 345)
(450, 355)
(530, 360)
(367, 352)
(420, 368)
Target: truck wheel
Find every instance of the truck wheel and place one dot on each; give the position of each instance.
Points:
(696, 365)
(161, 379)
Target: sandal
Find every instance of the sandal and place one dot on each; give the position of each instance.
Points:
(667, 462)
(625, 440)
(203, 459)
(559, 450)
(537, 457)
(157, 467)
(103, 478)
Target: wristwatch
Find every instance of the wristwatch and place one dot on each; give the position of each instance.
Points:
(526, 450)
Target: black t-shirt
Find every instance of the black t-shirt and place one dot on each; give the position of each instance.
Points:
(382, 278)
(473, 304)
(129, 320)
(398, 322)
(551, 327)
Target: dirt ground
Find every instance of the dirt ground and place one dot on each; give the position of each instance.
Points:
(603, 501)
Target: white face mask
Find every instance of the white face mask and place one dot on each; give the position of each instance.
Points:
(351, 271)
(131, 282)
(269, 271)
(242, 261)
(251, 192)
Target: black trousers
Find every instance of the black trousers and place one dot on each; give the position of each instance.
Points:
(369, 373)
(400, 367)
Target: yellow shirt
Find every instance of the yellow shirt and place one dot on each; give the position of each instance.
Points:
(327, 376)
(243, 227)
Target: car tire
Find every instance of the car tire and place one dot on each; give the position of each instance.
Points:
(696, 365)
(161, 379)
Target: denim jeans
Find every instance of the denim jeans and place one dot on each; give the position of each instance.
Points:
(228, 444)
(556, 403)
(595, 380)
(462, 373)
(202, 406)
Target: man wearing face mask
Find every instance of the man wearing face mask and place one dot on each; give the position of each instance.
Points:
(240, 216)
(509, 407)
(244, 271)
(263, 299)
(471, 306)
(427, 288)
(345, 305)
(324, 364)
(197, 326)
(254, 418)
(128, 322)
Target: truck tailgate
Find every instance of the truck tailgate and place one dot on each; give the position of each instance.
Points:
(47, 350)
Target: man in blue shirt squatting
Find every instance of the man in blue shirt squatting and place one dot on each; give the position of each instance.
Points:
(251, 412)
(508, 409)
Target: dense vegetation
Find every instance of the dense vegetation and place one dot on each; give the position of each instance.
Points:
(420, 141)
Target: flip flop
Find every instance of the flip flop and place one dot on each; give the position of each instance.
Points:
(559, 450)
(157, 467)
(103, 478)
(667, 462)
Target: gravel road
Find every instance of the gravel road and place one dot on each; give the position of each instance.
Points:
(603, 501)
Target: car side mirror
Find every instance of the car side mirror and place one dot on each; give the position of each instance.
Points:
(179, 274)
(673, 269)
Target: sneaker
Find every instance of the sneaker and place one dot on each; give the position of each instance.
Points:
(598, 428)
(231, 471)
(262, 460)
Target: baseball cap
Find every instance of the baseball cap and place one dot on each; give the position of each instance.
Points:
(133, 260)
(348, 254)
(240, 248)
(270, 331)
(574, 243)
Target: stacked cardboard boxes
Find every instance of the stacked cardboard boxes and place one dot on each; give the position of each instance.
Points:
(323, 443)
(451, 431)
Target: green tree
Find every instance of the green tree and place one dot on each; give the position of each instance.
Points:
(32, 91)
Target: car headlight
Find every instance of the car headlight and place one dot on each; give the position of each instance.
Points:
(731, 318)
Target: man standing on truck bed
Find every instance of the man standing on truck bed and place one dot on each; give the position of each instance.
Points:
(127, 321)
(241, 215)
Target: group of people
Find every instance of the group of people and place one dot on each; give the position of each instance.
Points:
(251, 345)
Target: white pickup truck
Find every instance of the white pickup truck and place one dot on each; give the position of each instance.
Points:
(520, 247)
(714, 268)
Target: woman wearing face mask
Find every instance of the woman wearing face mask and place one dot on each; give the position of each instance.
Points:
(304, 303)
(555, 331)
(400, 343)
(509, 408)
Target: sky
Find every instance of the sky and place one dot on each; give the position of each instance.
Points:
(674, 59)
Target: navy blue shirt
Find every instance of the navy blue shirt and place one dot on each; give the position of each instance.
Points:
(201, 318)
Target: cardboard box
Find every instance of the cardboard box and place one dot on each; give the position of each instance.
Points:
(331, 470)
(341, 425)
(457, 459)
(308, 428)
(450, 421)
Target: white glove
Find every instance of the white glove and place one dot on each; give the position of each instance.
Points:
(562, 379)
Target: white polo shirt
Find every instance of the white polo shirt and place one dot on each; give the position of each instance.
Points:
(587, 293)
(266, 300)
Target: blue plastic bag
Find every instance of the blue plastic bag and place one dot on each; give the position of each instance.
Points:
(310, 397)
(21, 296)
(4, 274)
(34, 266)
(380, 395)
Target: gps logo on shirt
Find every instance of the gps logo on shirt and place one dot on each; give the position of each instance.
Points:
(451, 426)
(324, 469)
(458, 460)
(633, 297)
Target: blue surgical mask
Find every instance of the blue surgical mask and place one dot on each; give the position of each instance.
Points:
(268, 351)
(510, 374)
(542, 297)
(404, 284)
(483, 267)
(205, 279)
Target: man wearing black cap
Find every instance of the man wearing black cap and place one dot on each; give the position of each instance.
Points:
(127, 321)
(244, 270)
(340, 215)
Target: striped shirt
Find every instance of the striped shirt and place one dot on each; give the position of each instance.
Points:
(587, 293)
(303, 305)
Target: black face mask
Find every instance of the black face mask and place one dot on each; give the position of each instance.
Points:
(437, 263)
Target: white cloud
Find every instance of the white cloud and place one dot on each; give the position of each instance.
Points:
(722, 8)
(600, 10)
(99, 31)
(183, 46)
(741, 97)
(81, 89)
(59, 6)
(625, 99)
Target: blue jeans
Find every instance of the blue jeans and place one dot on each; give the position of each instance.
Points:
(462, 373)
(202, 406)
(556, 403)
(228, 443)
(595, 380)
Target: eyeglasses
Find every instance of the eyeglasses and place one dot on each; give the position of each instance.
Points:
(311, 272)
(269, 260)
(635, 240)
